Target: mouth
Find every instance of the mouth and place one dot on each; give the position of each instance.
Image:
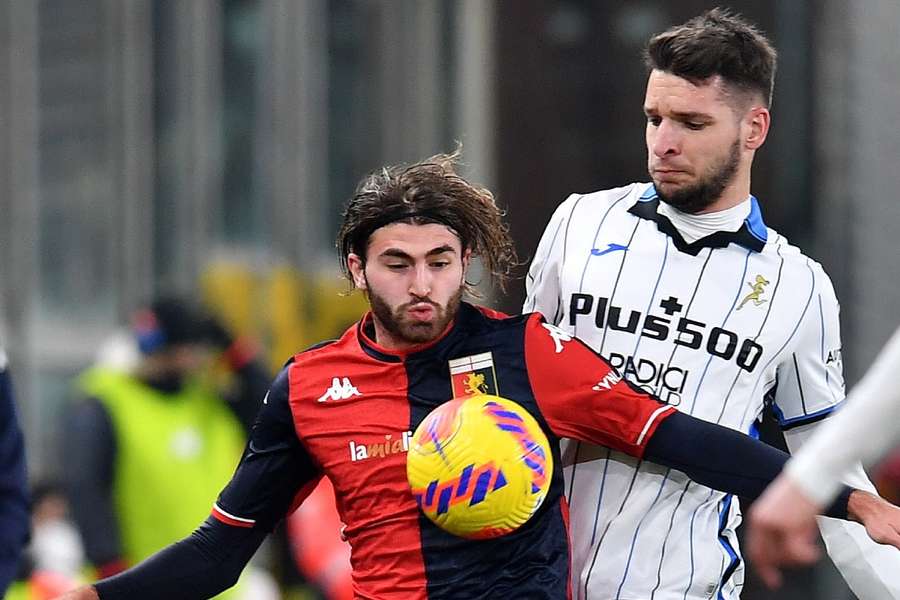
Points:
(421, 311)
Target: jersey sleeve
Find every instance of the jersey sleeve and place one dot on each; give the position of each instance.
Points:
(542, 290)
(810, 380)
(582, 397)
(13, 484)
(275, 473)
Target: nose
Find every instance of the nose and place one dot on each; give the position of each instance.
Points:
(664, 140)
(420, 285)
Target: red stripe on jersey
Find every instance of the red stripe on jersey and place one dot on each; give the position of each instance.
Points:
(228, 519)
(360, 443)
(582, 397)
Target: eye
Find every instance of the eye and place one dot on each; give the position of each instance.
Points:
(695, 126)
(396, 266)
(655, 121)
(440, 264)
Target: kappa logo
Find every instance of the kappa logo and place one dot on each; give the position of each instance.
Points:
(559, 336)
(759, 288)
(611, 379)
(341, 389)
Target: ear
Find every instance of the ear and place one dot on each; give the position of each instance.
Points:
(466, 261)
(357, 269)
(756, 127)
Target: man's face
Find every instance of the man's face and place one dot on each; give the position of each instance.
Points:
(693, 141)
(414, 277)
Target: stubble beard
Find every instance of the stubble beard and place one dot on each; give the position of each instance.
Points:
(414, 332)
(703, 194)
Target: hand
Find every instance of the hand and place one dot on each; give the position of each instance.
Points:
(782, 530)
(880, 518)
(83, 593)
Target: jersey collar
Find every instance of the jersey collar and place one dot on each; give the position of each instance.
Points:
(752, 234)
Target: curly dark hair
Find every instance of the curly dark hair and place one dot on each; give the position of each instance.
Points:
(718, 42)
(429, 191)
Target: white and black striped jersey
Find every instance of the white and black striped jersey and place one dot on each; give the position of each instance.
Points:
(717, 328)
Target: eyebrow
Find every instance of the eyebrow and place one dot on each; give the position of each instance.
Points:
(398, 253)
(682, 116)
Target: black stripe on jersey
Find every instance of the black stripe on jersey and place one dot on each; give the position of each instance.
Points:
(777, 353)
(587, 260)
(587, 580)
(615, 285)
(662, 557)
(687, 310)
(544, 266)
(756, 337)
(799, 383)
(731, 310)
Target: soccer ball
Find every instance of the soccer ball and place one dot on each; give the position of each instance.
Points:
(479, 466)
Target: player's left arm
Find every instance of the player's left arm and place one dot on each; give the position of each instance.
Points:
(582, 397)
(810, 388)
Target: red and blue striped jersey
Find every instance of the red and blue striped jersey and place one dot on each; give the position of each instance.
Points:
(346, 410)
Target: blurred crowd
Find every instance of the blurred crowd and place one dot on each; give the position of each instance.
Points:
(153, 430)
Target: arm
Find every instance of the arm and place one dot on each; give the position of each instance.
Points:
(810, 386)
(582, 397)
(274, 473)
(863, 431)
(14, 517)
(88, 459)
(542, 293)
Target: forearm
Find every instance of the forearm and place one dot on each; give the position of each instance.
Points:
(200, 566)
(720, 458)
(863, 430)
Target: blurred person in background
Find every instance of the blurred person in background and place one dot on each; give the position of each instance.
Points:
(54, 560)
(14, 519)
(782, 522)
(346, 408)
(148, 445)
(682, 286)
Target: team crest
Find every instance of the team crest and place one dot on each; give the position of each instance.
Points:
(472, 375)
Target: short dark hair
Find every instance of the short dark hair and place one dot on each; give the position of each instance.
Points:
(718, 42)
(429, 192)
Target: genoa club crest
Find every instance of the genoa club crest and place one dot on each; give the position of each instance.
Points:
(472, 375)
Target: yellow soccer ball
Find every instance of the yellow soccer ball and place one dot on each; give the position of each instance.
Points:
(480, 466)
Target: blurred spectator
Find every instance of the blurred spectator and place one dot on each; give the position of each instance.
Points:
(54, 561)
(149, 446)
(321, 552)
(13, 482)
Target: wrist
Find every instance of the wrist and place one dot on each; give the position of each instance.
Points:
(861, 505)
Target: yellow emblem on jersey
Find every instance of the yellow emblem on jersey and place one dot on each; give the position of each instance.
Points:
(758, 289)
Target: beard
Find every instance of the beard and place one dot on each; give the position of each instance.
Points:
(402, 328)
(702, 194)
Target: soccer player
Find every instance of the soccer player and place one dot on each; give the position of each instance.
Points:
(346, 409)
(14, 519)
(683, 288)
(782, 522)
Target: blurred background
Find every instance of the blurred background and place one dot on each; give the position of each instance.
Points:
(206, 147)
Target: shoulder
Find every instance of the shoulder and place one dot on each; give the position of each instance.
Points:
(794, 257)
(804, 276)
(477, 319)
(619, 197)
